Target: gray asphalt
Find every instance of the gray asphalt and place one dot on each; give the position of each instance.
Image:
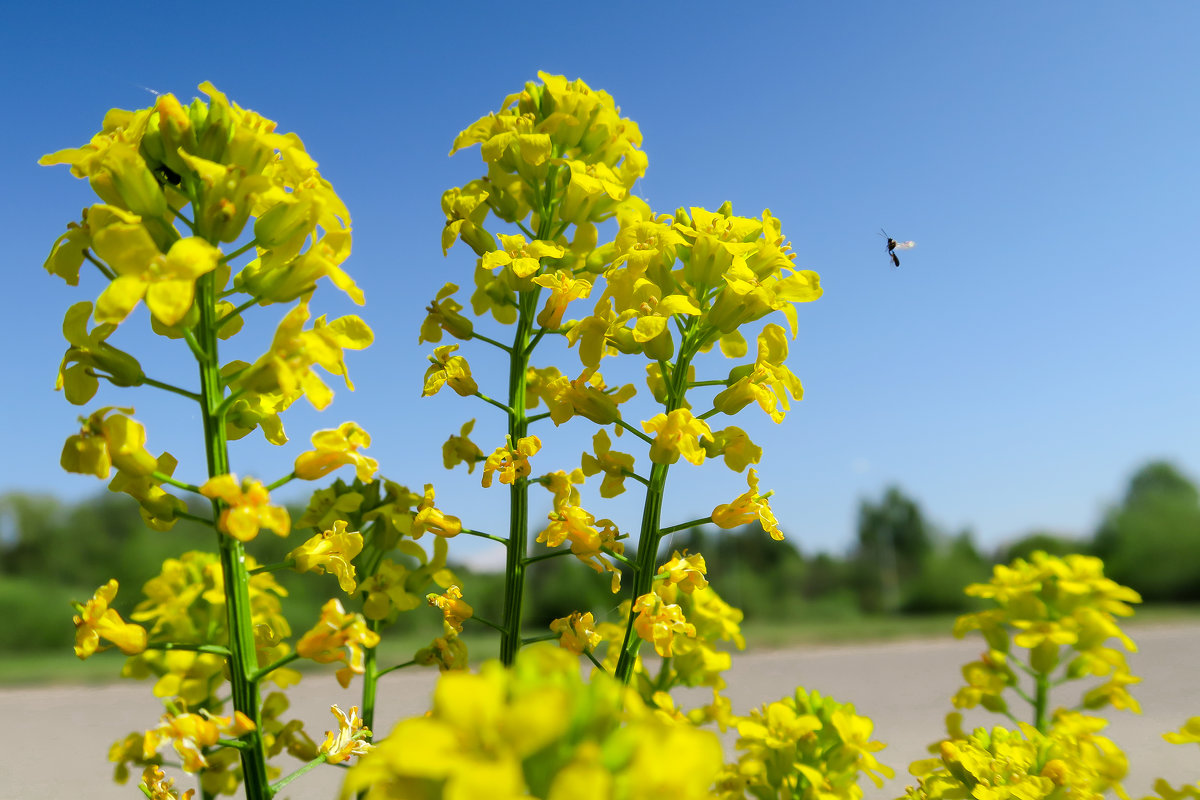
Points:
(55, 739)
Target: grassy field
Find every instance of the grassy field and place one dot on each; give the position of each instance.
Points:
(62, 666)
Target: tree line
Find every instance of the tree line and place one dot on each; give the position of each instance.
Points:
(900, 561)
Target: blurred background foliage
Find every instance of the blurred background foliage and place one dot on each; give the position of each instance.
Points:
(901, 563)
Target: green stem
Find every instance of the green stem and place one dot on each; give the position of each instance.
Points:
(291, 476)
(278, 565)
(163, 477)
(370, 683)
(592, 658)
(248, 245)
(214, 649)
(506, 409)
(541, 637)
(544, 556)
(694, 384)
(626, 560)
(273, 789)
(182, 218)
(518, 512)
(491, 341)
(635, 431)
(168, 387)
(636, 477)
(223, 321)
(269, 668)
(1041, 701)
(194, 518)
(194, 345)
(487, 622)
(100, 265)
(708, 413)
(383, 672)
(243, 659)
(537, 417)
(237, 744)
(483, 535)
(683, 526)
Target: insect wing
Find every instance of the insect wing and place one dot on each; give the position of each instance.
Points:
(894, 245)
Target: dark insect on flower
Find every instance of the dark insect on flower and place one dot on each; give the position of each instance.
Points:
(893, 246)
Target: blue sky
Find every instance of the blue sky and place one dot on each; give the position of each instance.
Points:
(1037, 345)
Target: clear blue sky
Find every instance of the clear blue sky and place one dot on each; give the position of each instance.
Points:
(1038, 344)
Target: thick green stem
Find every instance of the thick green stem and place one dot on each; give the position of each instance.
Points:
(243, 662)
(1041, 701)
(518, 516)
(370, 683)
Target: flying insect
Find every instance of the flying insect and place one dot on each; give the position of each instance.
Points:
(893, 246)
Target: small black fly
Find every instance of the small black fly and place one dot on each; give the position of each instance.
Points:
(893, 246)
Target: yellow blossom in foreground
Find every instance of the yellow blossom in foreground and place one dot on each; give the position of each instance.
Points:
(191, 733)
(429, 518)
(577, 632)
(336, 448)
(158, 786)
(750, 506)
(686, 572)
(96, 620)
(522, 257)
(348, 740)
(454, 609)
(166, 281)
(106, 440)
(512, 463)
(448, 370)
(657, 622)
(338, 636)
(249, 507)
(676, 434)
(331, 551)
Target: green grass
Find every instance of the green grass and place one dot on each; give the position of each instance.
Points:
(61, 666)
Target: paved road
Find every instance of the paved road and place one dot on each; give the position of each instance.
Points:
(55, 739)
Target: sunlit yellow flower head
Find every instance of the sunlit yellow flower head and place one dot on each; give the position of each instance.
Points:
(735, 446)
(108, 440)
(335, 448)
(454, 609)
(676, 434)
(158, 786)
(167, 281)
(686, 572)
(564, 287)
(768, 382)
(587, 396)
(429, 518)
(191, 733)
(442, 315)
(658, 622)
(576, 632)
(615, 465)
(331, 551)
(563, 486)
(348, 740)
(520, 256)
(96, 620)
(249, 507)
(287, 368)
(90, 356)
(448, 370)
(511, 462)
(338, 636)
(461, 450)
(750, 506)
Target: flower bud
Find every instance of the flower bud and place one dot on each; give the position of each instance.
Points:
(284, 221)
(1044, 657)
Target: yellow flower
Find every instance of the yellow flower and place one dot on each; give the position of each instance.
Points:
(735, 446)
(466, 209)
(1188, 733)
(442, 315)
(615, 465)
(447, 652)
(454, 609)
(676, 434)
(522, 257)
(96, 620)
(577, 632)
(448, 370)
(768, 381)
(429, 518)
(512, 463)
(249, 507)
(587, 396)
(158, 786)
(564, 287)
(387, 591)
(166, 281)
(287, 367)
(190, 734)
(280, 275)
(750, 506)
(331, 551)
(348, 740)
(686, 572)
(562, 485)
(334, 631)
(336, 448)
(658, 622)
(106, 441)
(461, 450)
(587, 542)
(159, 509)
(90, 356)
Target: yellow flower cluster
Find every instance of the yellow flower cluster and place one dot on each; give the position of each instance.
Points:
(1069, 760)
(1060, 610)
(537, 730)
(802, 746)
